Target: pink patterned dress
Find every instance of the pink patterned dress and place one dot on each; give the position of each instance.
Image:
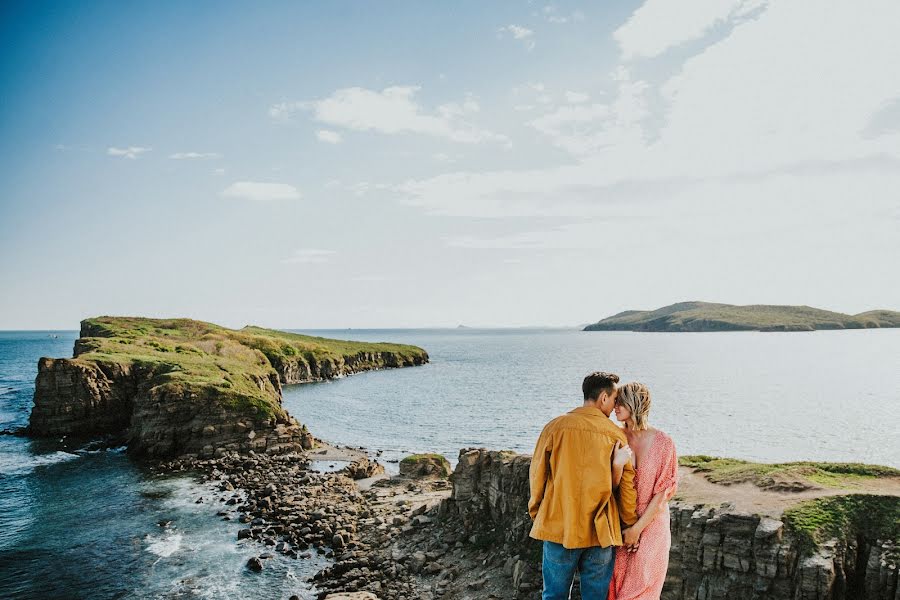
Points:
(640, 575)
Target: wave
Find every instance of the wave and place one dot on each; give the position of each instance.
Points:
(164, 546)
(18, 463)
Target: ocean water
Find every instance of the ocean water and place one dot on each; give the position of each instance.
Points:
(77, 523)
(825, 395)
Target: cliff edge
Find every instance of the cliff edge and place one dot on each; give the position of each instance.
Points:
(178, 386)
(841, 544)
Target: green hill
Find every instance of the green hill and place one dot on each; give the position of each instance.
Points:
(178, 386)
(707, 316)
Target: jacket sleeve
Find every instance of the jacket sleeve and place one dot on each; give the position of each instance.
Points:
(626, 496)
(539, 472)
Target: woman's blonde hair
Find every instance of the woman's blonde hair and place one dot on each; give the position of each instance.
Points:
(636, 398)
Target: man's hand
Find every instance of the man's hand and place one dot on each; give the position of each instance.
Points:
(621, 455)
(631, 538)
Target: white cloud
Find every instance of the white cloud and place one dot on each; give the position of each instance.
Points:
(576, 97)
(754, 104)
(328, 136)
(585, 128)
(392, 111)
(309, 256)
(518, 32)
(659, 25)
(552, 15)
(194, 155)
(131, 152)
(261, 191)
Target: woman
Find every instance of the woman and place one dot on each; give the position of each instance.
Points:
(641, 564)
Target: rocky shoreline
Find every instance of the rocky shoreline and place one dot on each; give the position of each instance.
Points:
(419, 535)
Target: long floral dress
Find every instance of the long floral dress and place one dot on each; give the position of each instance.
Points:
(640, 575)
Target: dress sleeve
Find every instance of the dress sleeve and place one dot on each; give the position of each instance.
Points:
(667, 480)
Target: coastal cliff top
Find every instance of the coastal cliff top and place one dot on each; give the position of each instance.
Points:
(208, 360)
(816, 498)
(707, 316)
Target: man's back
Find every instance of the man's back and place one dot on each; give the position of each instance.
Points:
(572, 501)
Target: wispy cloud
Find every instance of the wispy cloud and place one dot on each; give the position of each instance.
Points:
(576, 97)
(308, 256)
(194, 155)
(392, 111)
(518, 32)
(261, 191)
(659, 25)
(552, 15)
(131, 152)
(328, 136)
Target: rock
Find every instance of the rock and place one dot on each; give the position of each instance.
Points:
(363, 468)
(255, 564)
(352, 596)
(425, 466)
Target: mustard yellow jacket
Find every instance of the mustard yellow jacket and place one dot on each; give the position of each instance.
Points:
(572, 501)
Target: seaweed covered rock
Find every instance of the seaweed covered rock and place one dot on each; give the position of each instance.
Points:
(425, 466)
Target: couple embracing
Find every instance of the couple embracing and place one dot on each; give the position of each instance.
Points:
(599, 496)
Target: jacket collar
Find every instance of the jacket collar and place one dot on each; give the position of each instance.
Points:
(588, 410)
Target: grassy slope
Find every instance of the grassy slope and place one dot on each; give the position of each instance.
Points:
(705, 316)
(729, 471)
(187, 356)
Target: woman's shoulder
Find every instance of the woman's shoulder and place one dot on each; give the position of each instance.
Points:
(664, 438)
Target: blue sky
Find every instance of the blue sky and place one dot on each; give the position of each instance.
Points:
(359, 164)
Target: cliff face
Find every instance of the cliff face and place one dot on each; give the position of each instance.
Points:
(92, 399)
(716, 553)
(178, 387)
(293, 370)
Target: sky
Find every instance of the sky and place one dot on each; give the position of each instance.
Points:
(427, 164)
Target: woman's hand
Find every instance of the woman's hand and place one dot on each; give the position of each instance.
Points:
(631, 538)
(621, 455)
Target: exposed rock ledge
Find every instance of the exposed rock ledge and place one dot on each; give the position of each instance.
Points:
(717, 553)
(176, 386)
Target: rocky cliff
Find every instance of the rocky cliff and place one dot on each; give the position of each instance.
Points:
(717, 553)
(176, 387)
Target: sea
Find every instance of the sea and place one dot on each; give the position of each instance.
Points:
(82, 522)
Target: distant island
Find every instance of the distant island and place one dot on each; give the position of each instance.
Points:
(178, 386)
(708, 316)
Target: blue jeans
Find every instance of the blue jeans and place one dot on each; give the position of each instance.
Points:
(594, 564)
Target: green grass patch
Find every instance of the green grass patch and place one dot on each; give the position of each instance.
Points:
(794, 475)
(873, 517)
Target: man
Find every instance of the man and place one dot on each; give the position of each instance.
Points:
(575, 509)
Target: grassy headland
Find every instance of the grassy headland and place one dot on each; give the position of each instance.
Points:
(195, 358)
(706, 316)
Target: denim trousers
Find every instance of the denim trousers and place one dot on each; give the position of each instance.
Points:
(595, 565)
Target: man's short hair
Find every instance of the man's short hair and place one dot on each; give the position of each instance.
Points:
(599, 381)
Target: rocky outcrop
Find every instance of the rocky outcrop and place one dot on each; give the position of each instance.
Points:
(425, 465)
(164, 409)
(716, 553)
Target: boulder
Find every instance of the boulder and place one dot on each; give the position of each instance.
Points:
(425, 465)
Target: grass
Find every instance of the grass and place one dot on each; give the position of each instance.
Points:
(794, 475)
(206, 361)
(706, 316)
(870, 516)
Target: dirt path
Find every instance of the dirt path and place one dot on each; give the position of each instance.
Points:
(693, 487)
